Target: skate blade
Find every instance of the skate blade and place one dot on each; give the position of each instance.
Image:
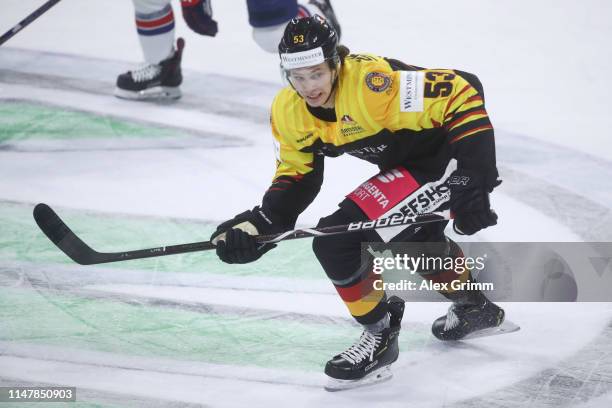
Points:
(156, 93)
(506, 327)
(378, 376)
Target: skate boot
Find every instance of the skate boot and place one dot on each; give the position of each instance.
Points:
(153, 81)
(367, 361)
(328, 12)
(470, 315)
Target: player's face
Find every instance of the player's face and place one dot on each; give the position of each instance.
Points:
(314, 84)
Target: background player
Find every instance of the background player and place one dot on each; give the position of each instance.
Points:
(429, 134)
(160, 76)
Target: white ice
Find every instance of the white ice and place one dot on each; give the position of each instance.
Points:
(545, 68)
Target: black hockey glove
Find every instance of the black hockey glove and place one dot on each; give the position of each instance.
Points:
(469, 201)
(198, 16)
(235, 239)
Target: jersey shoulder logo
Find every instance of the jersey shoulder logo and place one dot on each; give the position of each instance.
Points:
(377, 81)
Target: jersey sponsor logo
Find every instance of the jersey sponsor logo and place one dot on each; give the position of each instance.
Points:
(369, 189)
(389, 176)
(353, 126)
(382, 192)
(427, 198)
(351, 130)
(377, 81)
(348, 120)
(303, 139)
(411, 91)
(368, 150)
(424, 200)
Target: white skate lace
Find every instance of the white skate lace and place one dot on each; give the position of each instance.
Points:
(451, 319)
(364, 348)
(146, 72)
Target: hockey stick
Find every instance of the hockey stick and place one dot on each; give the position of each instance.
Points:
(26, 21)
(67, 241)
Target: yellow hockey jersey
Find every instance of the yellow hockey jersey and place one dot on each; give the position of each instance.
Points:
(386, 112)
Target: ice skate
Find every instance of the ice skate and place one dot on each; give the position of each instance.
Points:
(328, 12)
(367, 361)
(153, 81)
(466, 321)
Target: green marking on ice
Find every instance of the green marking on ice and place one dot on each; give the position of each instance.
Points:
(22, 240)
(149, 331)
(25, 121)
(54, 318)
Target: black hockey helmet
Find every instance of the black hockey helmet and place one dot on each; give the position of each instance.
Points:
(308, 41)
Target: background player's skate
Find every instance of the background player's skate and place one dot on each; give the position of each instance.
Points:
(328, 12)
(154, 81)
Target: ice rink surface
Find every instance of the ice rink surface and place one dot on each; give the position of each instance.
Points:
(190, 331)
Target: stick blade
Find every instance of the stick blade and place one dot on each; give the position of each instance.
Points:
(58, 232)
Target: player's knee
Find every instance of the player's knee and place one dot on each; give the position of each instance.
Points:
(323, 246)
(267, 38)
(268, 19)
(338, 254)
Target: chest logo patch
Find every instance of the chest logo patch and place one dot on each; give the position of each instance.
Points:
(347, 120)
(350, 126)
(377, 81)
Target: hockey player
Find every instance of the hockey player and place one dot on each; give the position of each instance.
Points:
(428, 132)
(160, 76)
